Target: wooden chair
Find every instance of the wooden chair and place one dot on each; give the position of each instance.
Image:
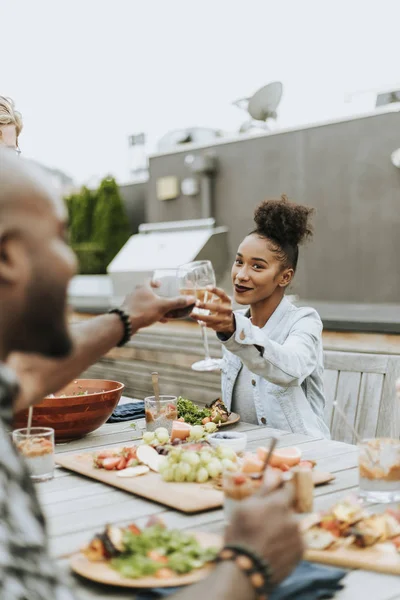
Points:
(363, 385)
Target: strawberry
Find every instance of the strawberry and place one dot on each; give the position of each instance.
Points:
(111, 462)
(106, 454)
(122, 464)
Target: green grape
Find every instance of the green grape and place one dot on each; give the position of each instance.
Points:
(162, 435)
(184, 468)
(191, 476)
(226, 452)
(205, 457)
(214, 467)
(202, 475)
(210, 427)
(168, 474)
(179, 476)
(174, 455)
(148, 437)
(190, 457)
(197, 432)
(228, 465)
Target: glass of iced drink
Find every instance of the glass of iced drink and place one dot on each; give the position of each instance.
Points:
(379, 470)
(37, 447)
(237, 486)
(160, 414)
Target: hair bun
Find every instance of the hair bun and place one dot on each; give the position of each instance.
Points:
(283, 222)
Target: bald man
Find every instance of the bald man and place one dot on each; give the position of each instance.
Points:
(90, 340)
(36, 265)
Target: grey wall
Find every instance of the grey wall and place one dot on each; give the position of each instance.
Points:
(341, 169)
(134, 198)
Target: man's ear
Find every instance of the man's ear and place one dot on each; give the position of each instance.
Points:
(286, 277)
(13, 258)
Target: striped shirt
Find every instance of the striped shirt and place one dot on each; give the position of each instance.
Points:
(26, 570)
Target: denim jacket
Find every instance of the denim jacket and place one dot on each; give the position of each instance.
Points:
(286, 359)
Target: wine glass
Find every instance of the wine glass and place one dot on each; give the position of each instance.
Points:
(194, 278)
(169, 287)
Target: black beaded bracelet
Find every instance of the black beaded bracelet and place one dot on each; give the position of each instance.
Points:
(253, 566)
(126, 323)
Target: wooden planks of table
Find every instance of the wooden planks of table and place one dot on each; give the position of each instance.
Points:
(77, 507)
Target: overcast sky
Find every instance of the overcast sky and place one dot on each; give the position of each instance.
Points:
(87, 73)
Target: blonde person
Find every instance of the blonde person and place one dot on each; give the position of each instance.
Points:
(10, 124)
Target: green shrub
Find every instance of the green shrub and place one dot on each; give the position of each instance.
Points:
(99, 226)
(91, 258)
(111, 228)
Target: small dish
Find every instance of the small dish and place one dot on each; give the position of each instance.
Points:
(235, 440)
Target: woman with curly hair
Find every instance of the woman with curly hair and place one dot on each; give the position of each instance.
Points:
(273, 360)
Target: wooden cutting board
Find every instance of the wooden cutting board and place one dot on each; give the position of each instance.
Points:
(186, 497)
(382, 558)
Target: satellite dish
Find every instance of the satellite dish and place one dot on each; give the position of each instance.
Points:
(263, 104)
(395, 158)
(191, 135)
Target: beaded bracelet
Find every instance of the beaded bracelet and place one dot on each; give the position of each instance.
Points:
(126, 322)
(253, 566)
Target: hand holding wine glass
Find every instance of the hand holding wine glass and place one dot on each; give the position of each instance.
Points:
(195, 279)
(219, 315)
(165, 284)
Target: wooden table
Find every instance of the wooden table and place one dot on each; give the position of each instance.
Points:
(76, 507)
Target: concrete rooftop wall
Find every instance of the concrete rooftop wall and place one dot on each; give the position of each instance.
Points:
(343, 169)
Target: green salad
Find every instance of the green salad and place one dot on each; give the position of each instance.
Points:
(191, 413)
(157, 549)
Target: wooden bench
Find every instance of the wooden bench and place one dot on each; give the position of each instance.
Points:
(363, 385)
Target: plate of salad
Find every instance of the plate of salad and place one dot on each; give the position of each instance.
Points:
(146, 558)
(216, 412)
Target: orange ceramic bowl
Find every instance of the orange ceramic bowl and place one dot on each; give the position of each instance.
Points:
(73, 413)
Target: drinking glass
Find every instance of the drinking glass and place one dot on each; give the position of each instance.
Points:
(237, 486)
(36, 445)
(169, 288)
(379, 470)
(162, 413)
(194, 278)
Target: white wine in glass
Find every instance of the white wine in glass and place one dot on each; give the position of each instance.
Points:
(194, 278)
(168, 287)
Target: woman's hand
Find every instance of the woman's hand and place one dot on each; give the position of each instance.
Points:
(221, 318)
